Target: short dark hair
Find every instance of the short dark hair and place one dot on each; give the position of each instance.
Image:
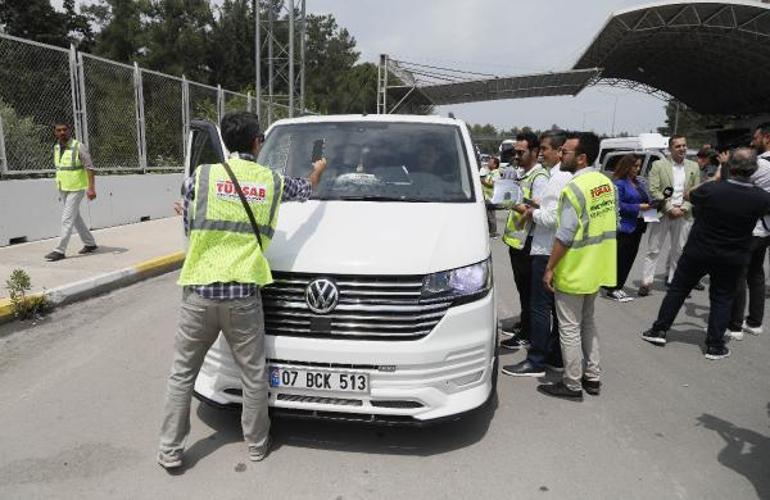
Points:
(764, 128)
(675, 137)
(530, 137)
(495, 160)
(588, 144)
(62, 122)
(239, 131)
(556, 137)
(704, 152)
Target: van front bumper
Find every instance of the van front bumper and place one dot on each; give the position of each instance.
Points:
(444, 374)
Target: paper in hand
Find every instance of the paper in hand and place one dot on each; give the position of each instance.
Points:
(506, 191)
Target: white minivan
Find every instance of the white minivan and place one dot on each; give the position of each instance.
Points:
(383, 307)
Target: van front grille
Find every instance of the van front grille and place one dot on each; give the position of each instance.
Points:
(369, 308)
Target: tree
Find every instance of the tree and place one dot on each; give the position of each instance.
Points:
(38, 20)
(120, 30)
(231, 54)
(177, 34)
(330, 55)
(697, 127)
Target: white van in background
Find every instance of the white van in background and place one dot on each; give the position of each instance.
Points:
(383, 307)
(649, 147)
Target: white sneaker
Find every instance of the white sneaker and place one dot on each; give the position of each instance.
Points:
(619, 296)
(733, 334)
(754, 330)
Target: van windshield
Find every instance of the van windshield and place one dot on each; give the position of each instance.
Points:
(375, 161)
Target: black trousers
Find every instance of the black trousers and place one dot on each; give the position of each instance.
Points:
(721, 292)
(521, 262)
(628, 247)
(752, 275)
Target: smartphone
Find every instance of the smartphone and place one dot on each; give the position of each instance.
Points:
(318, 150)
(531, 203)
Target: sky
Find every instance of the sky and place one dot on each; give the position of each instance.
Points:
(505, 38)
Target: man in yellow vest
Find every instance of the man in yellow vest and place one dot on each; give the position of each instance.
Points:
(582, 261)
(488, 186)
(224, 268)
(532, 179)
(74, 179)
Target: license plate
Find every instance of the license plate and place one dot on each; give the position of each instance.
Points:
(319, 380)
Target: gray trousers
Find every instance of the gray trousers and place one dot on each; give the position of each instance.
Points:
(242, 323)
(578, 337)
(71, 219)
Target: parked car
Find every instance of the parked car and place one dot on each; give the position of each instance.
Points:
(376, 312)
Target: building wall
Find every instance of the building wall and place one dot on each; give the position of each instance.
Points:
(30, 208)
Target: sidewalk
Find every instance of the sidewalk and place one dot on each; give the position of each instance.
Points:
(124, 251)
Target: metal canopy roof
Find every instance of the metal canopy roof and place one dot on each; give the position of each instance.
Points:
(545, 84)
(714, 56)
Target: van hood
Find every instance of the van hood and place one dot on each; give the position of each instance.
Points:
(362, 237)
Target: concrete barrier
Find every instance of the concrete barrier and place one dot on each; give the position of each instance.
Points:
(30, 208)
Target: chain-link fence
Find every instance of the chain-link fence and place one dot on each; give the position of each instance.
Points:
(35, 92)
(132, 119)
(164, 119)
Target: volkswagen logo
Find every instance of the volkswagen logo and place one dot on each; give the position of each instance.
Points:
(322, 296)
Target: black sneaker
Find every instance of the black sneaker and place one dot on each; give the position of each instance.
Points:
(559, 390)
(644, 290)
(88, 249)
(514, 331)
(523, 369)
(515, 343)
(54, 256)
(717, 352)
(592, 387)
(699, 286)
(654, 337)
(556, 367)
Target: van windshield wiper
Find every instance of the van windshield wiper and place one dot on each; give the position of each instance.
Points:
(375, 197)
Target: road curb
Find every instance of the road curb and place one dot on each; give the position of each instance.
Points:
(90, 287)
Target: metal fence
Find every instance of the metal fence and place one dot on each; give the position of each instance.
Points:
(132, 119)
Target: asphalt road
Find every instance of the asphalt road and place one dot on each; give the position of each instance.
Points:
(81, 396)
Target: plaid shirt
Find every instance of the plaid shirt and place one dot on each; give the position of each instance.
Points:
(294, 189)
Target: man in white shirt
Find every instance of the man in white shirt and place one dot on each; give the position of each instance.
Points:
(754, 273)
(544, 348)
(681, 176)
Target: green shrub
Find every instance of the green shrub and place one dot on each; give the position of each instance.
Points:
(24, 307)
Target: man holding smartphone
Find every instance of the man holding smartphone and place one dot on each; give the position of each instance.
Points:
(544, 351)
(223, 271)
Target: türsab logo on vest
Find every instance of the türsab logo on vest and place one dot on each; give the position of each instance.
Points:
(322, 296)
(255, 193)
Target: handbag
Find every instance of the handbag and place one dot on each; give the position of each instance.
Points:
(246, 206)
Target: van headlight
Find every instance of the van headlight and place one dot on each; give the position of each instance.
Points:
(460, 285)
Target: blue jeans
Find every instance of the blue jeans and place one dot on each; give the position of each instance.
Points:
(544, 328)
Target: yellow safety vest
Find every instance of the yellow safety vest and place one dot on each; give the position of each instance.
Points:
(223, 247)
(492, 176)
(591, 261)
(70, 173)
(517, 229)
